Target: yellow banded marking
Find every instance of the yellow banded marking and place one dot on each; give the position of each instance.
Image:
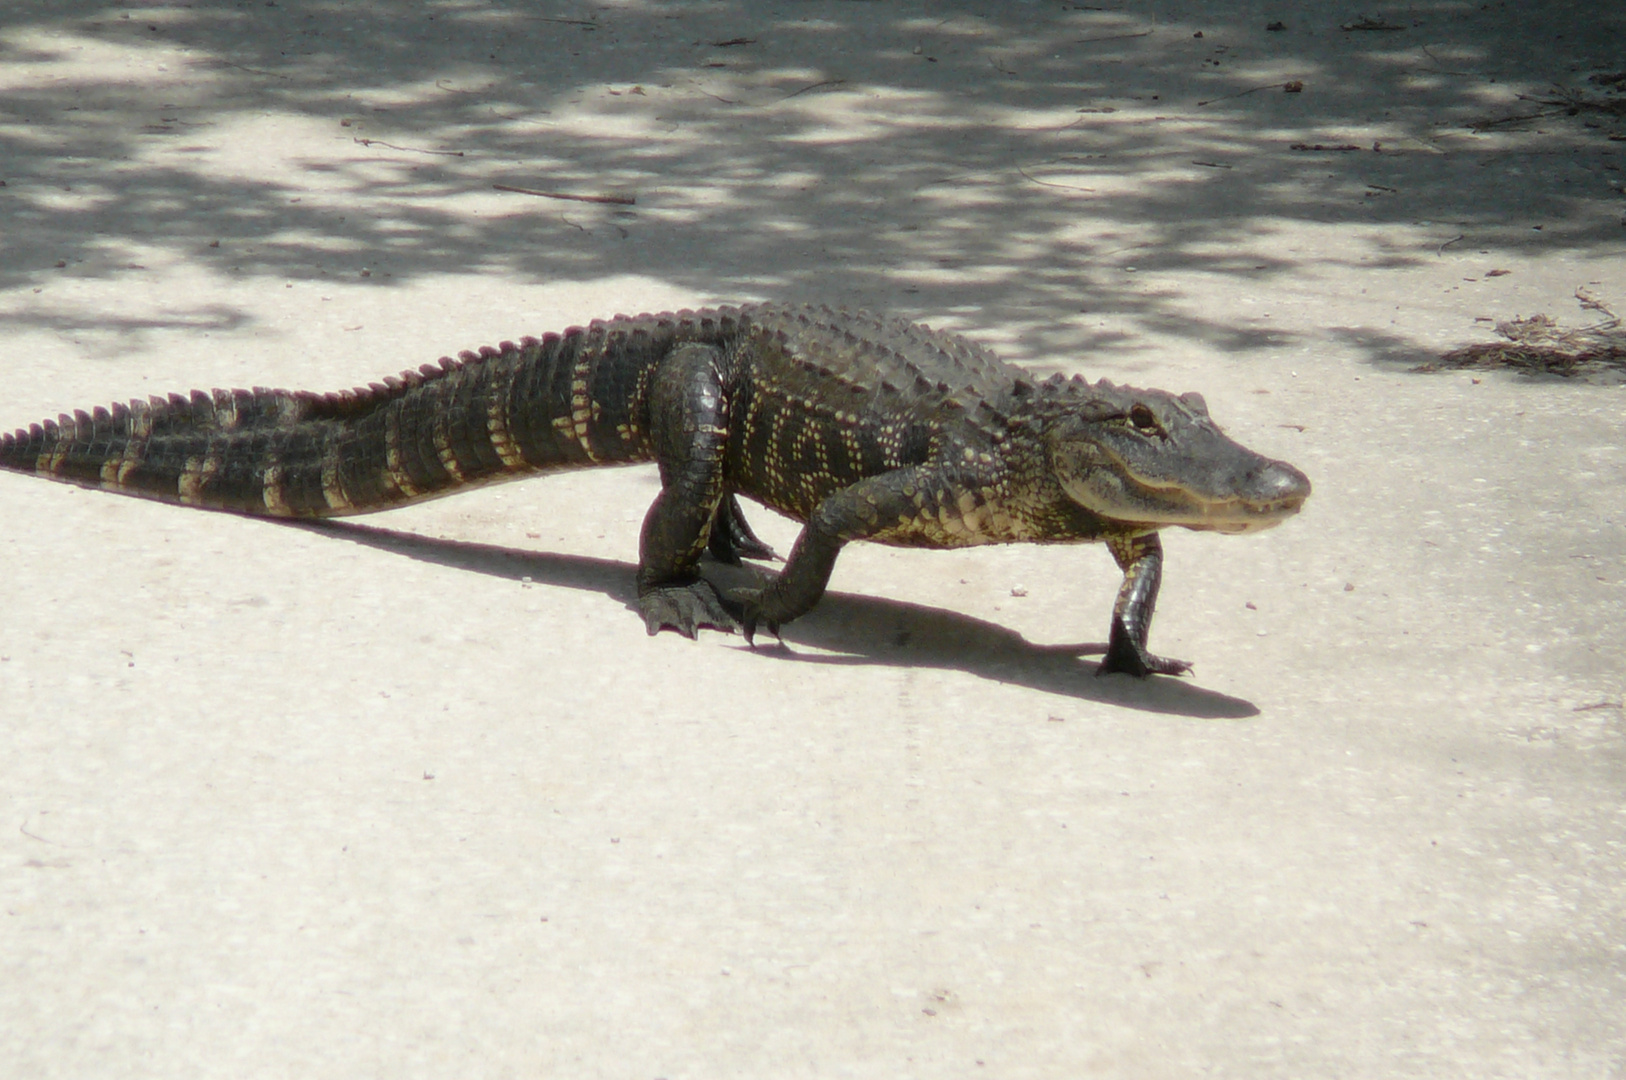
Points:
(274, 490)
(443, 450)
(332, 487)
(581, 403)
(132, 460)
(776, 440)
(198, 472)
(52, 461)
(116, 470)
(850, 443)
(502, 440)
(396, 471)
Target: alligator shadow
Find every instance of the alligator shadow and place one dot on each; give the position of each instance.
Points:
(861, 629)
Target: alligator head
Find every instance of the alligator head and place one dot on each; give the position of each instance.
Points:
(1152, 458)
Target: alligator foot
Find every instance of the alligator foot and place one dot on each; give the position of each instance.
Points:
(1125, 654)
(750, 602)
(686, 608)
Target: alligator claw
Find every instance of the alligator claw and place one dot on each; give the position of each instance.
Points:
(732, 539)
(749, 547)
(1125, 654)
(750, 602)
(1151, 664)
(731, 549)
(686, 608)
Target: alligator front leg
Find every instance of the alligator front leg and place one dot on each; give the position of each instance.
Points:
(1141, 559)
(854, 513)
(688, 424)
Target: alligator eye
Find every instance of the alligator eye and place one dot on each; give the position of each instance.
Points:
(1142, 418)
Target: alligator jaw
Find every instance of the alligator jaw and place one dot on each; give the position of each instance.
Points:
(1149, 458)
(1269, 494)
(1274, 494)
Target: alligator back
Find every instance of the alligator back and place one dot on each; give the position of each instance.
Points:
(823, 398)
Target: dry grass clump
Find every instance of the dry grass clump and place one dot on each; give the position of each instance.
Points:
(1539, 345)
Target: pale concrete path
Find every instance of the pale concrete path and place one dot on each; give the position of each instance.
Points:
(418, 797)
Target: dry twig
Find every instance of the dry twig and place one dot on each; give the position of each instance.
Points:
(1255, 90)
(1051, 183)
(815, 86)
(1114, 37)
(407, 149)
(613, 200)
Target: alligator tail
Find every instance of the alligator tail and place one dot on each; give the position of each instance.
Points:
(567, 400)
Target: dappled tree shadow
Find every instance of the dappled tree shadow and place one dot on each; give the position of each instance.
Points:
(1018, 159)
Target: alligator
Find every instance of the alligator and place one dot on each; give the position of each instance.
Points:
(859, 426)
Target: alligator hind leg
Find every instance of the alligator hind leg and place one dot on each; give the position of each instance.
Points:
(732, 538)
(1141, 560)
(688, 424)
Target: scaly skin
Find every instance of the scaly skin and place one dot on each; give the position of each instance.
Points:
(859, 426)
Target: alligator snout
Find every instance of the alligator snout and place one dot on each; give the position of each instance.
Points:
(1279, 485)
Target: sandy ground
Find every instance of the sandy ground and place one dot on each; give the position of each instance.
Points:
(419, 797)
